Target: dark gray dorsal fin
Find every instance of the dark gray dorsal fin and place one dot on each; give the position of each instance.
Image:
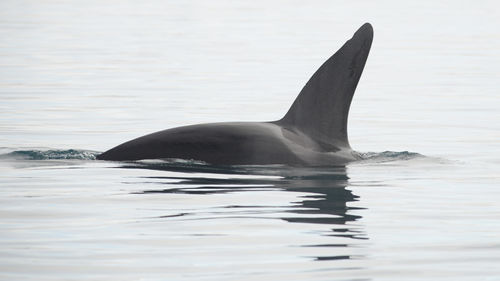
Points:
(321, 109)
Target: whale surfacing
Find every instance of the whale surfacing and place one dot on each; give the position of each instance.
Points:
(313, 131)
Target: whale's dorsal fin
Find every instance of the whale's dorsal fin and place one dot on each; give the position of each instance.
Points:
(321, 109)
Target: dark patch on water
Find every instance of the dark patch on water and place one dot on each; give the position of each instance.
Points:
(331, 258)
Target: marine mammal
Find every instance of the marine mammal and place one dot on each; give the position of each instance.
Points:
(312, 132)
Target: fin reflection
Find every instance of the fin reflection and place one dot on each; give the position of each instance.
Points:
(325, 200)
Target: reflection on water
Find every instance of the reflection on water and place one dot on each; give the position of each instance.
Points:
(179, 220)
(324, 201)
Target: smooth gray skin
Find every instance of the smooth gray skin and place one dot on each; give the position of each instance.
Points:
(313, 132)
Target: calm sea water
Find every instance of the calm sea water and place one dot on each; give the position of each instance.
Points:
(78, 77)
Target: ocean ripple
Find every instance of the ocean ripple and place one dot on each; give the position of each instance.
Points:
(51, 154)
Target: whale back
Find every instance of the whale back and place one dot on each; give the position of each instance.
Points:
(315, 125)
(322, 107)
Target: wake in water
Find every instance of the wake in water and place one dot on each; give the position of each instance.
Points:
(79, 154)
(388, 156)
(49, 154)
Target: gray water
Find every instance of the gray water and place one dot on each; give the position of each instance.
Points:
(78, 77)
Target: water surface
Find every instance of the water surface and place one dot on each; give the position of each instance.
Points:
(79, 77)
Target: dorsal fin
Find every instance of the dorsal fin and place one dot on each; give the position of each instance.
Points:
(321, 109)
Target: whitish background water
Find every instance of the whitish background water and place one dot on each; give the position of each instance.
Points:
(88, 75)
